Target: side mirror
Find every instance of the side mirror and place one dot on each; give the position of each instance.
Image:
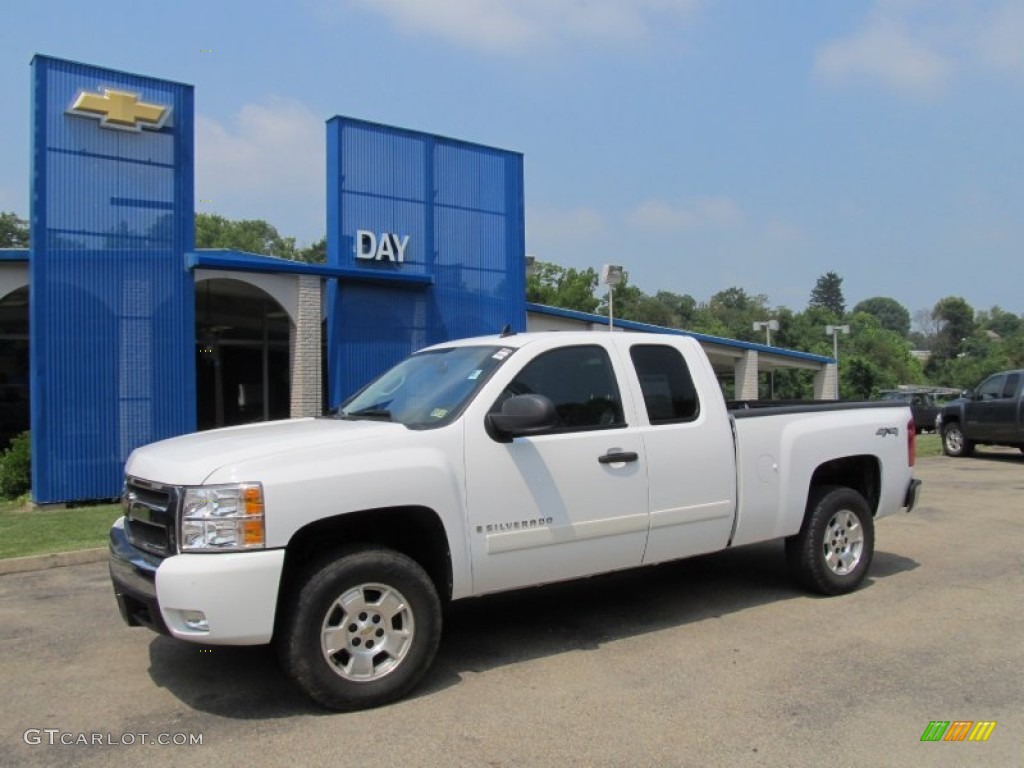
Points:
(522, 415)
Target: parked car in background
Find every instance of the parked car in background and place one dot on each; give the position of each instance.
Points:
(990, 414)
(925, 405)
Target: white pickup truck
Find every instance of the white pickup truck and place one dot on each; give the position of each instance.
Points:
(484, 465)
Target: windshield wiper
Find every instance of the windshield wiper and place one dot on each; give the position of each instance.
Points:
(367, 413)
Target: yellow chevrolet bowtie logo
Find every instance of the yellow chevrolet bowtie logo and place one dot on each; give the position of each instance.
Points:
(121, 110)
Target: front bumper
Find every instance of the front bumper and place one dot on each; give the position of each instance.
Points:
(236, 592)
(913, 491)
(133, 574)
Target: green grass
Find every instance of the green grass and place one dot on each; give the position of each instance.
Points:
(929, 445)
(26, 531)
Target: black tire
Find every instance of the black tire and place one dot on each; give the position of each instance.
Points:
(953, 441)
(375, 649)
(832, 553)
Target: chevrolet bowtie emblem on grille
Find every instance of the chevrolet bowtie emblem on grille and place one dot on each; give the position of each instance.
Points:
(121, 110)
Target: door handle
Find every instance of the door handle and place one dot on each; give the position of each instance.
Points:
(618, 457)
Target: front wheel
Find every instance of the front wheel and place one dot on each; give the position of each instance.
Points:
(832, 553)
(362, 631)
(953, 441)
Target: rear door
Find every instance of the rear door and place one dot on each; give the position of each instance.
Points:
(691, 466)
(556, 506)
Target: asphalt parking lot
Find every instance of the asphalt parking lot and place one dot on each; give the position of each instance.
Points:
(713, 661)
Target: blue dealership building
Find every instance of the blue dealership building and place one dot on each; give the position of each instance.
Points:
(115, 331)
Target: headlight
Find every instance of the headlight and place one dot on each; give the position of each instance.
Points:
(223, 517)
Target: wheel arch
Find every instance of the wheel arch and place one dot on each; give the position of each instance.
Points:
(861, 473)
(416, 532)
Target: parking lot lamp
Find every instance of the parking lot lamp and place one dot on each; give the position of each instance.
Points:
(611, 275)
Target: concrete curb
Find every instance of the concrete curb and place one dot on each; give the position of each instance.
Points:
(53, 560)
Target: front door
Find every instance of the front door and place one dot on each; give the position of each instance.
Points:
(980, 414)
(556, 506)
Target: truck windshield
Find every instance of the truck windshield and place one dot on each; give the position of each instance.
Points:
(428, 389)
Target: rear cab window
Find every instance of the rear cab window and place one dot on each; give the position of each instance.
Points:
(669, 394)
(1012, 382)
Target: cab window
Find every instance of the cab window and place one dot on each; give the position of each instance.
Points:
(669, 393)
(1012, 381)
(992, 388)
(580, 381)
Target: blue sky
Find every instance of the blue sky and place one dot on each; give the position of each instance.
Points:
(701, 144)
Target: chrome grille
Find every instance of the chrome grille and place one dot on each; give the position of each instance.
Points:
(150, 515)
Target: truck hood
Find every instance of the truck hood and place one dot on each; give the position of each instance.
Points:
(191, 459)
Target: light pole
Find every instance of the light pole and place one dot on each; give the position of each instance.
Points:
(611, 275)
(769, 326)
(834, 331)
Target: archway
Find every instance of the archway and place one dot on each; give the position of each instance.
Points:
(15, 415)
(242, 355)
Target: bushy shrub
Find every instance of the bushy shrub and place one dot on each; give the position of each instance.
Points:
(16, 468)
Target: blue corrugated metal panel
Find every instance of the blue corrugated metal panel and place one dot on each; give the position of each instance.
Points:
(112, 311)
(460, 205)
(13, 254)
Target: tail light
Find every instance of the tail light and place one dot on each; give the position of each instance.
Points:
(911, 443)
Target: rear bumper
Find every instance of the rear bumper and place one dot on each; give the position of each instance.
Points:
(913, 491)
(236, 592)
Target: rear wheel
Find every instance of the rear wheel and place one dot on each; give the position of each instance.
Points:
(953, 441)
(363, 630)
(832, 553)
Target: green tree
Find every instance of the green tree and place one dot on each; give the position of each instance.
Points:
(892, 315)
(665, 308)
(16, 467)
(828, 293)
(13, 231)
(873, 358)
(804, 331)
(735, 311)
(558, 286)
(249, 235)
(682, 308)
(315, 253)
(1006, 324)
(954, 318)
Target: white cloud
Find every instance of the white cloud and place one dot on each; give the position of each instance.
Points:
(660, 215)
(920, 47)
(888, 51)
(511, 26)
(267, 163)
